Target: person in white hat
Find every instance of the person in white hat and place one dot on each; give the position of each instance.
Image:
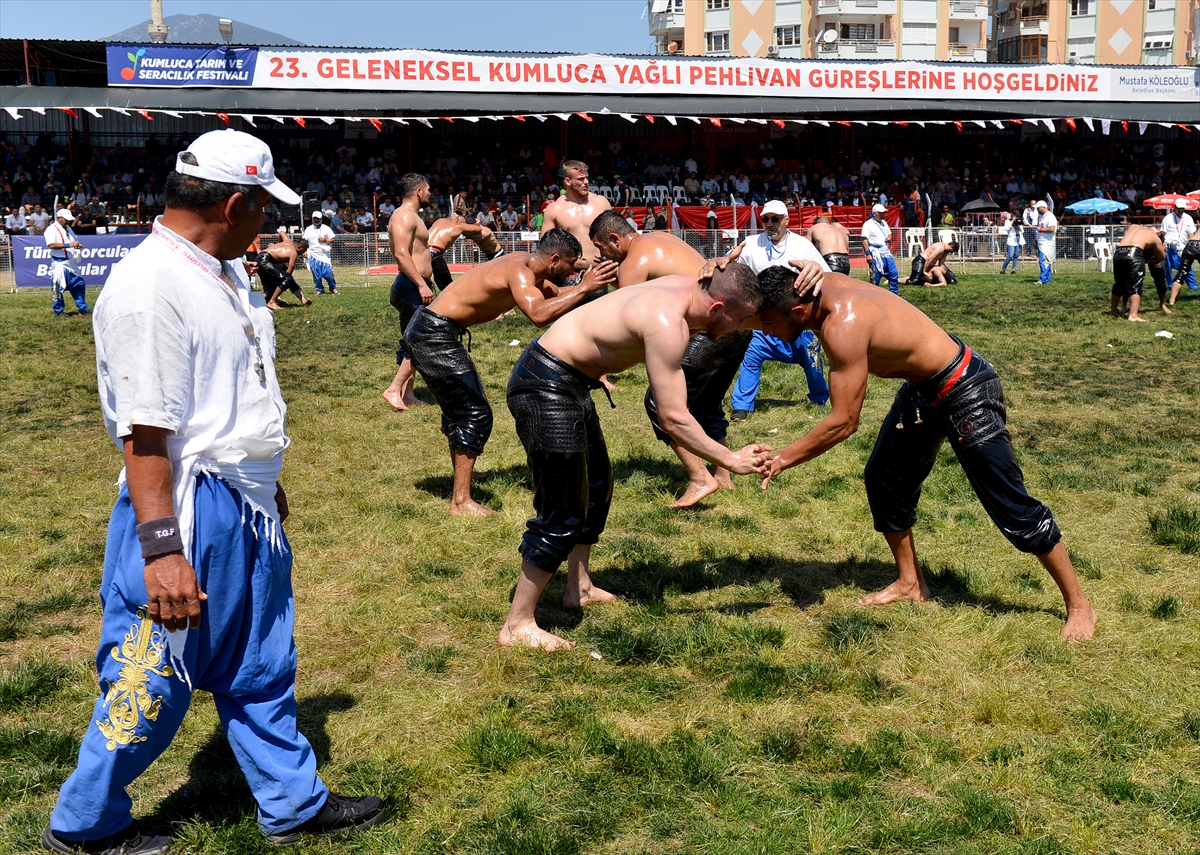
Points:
(320, 265)
(776, 246)
(64, 267)
(1046, 227)
(1178, 228)
(188, 391)
(876, 240)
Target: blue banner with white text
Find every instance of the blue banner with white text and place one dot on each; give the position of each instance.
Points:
(31, 258)
(180, 65)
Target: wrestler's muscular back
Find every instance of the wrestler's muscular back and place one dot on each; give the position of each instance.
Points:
(655, 255)
(576, 218)
(830, 237)
(900, 340)
(485, 293)
(443, 233)
(610, 334)
(406, 231)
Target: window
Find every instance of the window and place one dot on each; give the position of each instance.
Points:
(717, 42)
(678, 5)
(788, 36)
(1150, 5)
(1080, 8)
(954, 36)
(858, 32)
(717, 4)
(1023, 49)
(1038, 10)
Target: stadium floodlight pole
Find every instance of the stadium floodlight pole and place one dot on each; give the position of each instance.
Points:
(158, 29)
(225, 25)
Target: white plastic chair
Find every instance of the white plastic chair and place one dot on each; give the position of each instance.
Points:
(914, 238)
(635, 195)
(606, 191)
(678, 194)
(947, 235)
(1102, 252)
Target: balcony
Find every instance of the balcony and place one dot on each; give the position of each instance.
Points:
(967, 53)
(856, 7)
(858, 49)
(1035, 25)
(661, 23)
(968, 10)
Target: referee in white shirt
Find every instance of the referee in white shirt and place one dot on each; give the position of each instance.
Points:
(185, 364)
(64, 274)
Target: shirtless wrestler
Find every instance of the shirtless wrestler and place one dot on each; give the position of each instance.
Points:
(523, 280)
(832, 240)
(929, 267)
(1139, 247)
(951, 392)
(709, 366)
(442, 235)
(413, 288)
(549, 395)
(275, 267)
(575, 210)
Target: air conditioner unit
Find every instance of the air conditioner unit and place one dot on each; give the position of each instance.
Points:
(772, 50)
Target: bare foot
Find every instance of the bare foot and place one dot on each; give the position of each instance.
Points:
(593, 595)
(1138, 320)
(273, 306)
(605, 382)
(724, 479)
(478, 477)
(306, 302)
(896, 592)
(695, 492)
(470, 508)
(395, 400)
(412, 401)
(1080, 625)
(532, 635)
(1165, 309)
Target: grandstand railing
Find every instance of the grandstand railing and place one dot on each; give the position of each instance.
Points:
(366, 259)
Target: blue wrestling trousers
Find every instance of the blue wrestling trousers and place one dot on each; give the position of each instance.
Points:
(74, 285)
(321, 272)
(883, 266)
(1047, 268)
(242, 653)
(804, 351)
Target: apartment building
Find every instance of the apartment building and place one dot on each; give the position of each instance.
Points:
(1106, 32)
(1119, 32)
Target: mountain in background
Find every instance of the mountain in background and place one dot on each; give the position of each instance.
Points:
(201, 29)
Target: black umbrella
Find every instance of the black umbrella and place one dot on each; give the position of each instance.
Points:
(977, 205)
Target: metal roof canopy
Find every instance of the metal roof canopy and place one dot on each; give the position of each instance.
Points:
(383, 104)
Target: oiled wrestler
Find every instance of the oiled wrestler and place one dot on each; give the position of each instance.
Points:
(409, 241)
(929, 265)
(522, 280)
(832, 240)
(445, 231)
(275, 267)
(1140, 247)
(709, 365)
(549, 396)
(951, 393)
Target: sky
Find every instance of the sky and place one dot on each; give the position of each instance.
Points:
(572, 26)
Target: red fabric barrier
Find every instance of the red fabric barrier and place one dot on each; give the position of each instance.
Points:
(851, 216)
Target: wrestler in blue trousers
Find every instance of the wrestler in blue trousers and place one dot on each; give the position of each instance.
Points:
(242, 653)
(805, 352)
(62, 278)
(883, 265)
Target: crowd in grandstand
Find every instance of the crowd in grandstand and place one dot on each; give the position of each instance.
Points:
(506, 183)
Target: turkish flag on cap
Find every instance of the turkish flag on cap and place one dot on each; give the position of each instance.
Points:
(251, 170)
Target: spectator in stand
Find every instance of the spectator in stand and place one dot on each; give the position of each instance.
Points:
(30, 198)
(14, 223)
(691, 186)
(365, 221)
(37, 220)
(329, 206)
(509, 217)
(649, 219)
(486, 219)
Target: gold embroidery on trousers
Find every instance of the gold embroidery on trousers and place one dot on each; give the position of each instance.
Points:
(129, 699)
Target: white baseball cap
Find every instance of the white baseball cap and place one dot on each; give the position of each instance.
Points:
(878, 209)
(1179, 203)
(1041, 203)
(234, 157)
(775, 207)
(316, 215)
(66, 215)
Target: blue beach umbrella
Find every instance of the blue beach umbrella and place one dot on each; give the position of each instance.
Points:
(1097, 206)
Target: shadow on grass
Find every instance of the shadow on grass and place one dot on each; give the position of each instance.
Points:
(216, 791)
(804, 582)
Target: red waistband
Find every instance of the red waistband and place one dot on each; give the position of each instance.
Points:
(955, 377)
(433, 250)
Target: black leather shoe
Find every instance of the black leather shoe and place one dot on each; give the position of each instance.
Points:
(739, 415)
(338, 815)
(131, 841)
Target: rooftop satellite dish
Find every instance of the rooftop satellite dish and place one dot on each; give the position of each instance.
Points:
(829, 36)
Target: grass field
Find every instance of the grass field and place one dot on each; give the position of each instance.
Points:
(737, 700)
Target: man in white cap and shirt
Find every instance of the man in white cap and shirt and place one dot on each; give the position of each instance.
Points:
(876, 238)
(64, 271)
(1046, 226)
(1178, 228)
(776, 246)
(320, 239)
(188, 390)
